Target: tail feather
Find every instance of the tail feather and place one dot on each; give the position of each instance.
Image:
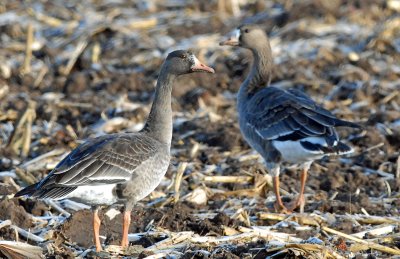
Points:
(342, 149)
(339, 149)
(27, 191)
(52, 193)
(56, 192)
(343, 123)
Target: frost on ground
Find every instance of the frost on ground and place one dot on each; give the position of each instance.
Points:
(69, 71)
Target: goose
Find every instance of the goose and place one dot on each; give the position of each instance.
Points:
(282, 125)
(122, 167)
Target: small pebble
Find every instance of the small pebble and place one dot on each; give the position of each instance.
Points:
(354, 57)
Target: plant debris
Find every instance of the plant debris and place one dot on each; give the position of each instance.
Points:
(71, 70)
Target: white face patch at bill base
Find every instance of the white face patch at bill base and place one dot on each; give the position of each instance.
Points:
(236, 35)
(195, 60)
(232, 38)
(198, 66)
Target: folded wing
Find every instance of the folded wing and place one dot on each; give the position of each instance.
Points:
(104, 160)
(276, 114)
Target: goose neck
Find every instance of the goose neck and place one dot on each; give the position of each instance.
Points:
(260, 73)
(159, 121)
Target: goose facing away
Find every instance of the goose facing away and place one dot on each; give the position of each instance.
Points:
(281, 125)
(122, 167)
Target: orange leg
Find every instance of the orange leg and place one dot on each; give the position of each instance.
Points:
(96, 229)
(279, 204)
(125, 230)
(301, 200)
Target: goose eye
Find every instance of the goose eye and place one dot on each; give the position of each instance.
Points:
(246, 30)
(183, 56)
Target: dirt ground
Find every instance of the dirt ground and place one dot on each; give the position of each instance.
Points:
(92, 70)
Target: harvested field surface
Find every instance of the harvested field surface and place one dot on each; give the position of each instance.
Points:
(70, 70)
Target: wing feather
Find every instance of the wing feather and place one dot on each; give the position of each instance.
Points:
(276, 114)
(103, 160)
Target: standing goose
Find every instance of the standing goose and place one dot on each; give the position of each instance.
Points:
(123, 167)
(281, 125)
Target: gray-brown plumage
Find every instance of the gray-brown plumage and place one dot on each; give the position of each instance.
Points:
(123, 167)
(282, 125)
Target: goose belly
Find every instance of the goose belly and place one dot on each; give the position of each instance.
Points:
(146, 178)
(94, 195)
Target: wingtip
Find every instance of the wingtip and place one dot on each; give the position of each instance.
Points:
(357, 125)
(343, 123)
(343, 149)
(27, 191)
